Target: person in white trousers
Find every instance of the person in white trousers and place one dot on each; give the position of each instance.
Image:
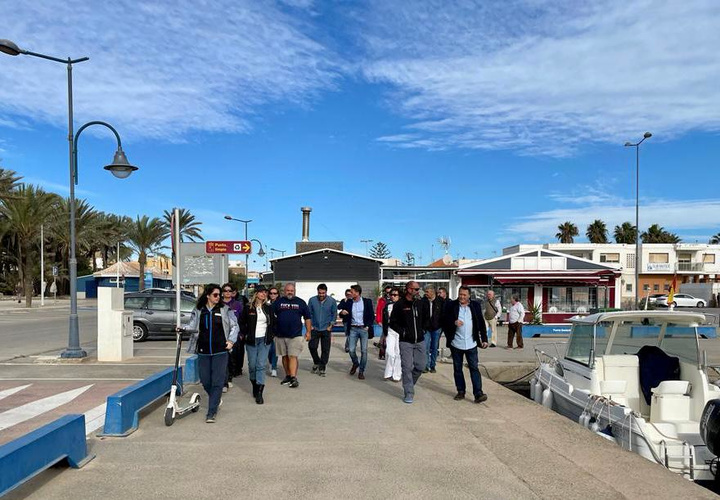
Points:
(393, 367)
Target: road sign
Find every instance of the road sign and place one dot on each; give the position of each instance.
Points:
(228, 247)
(55, 270)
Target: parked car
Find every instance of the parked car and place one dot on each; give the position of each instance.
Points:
(652, 299)
(154, 313)
(682, 300)
(152, 291)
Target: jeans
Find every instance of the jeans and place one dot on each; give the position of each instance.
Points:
(272, 356)
(324, 338)
(257, 359)
(361, 334)
(432, 342)
(472, 360)
(412, 359)
(213, 369)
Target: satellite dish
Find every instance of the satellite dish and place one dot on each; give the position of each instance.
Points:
(447, 260)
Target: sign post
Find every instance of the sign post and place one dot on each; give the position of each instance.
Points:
(242, 247)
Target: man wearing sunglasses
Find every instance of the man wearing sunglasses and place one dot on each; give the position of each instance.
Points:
(407, 319)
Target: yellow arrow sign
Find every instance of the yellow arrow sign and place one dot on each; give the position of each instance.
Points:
(246, 247)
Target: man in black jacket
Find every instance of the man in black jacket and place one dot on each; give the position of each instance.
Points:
(408, 318)
(360, 318)
(465, 331)
(433, 328)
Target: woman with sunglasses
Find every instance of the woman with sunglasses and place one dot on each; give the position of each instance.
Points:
(393, 368)
(237, 355)
(273, 294)
(214, 330)
(256, 328)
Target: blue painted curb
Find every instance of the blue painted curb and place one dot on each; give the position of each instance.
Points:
(191, 375)
(528, 331)
(122, 416)
(29, 455)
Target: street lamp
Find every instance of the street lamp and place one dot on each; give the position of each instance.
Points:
(366, 244)
(246, 222)
(647, 135)
(281, 251)
(120, 167)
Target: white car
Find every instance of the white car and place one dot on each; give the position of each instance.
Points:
(682, 300)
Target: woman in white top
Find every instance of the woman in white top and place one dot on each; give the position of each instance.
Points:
(393, 370)
(256, 328)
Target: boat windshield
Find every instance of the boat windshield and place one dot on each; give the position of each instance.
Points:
(580, 344)
(679, 340)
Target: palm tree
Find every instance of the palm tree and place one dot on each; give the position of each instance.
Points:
(8, 182)
(567, 232)
(597, 232)
(22, 215)
(189, 227)
(658, 234)
(145, 235)
(715, 240)
(626, 233)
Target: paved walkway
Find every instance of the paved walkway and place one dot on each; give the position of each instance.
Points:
(339, 437)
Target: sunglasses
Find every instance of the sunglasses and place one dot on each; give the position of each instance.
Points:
(227, 290)
(273, 293)
(216, 294)
(415, 289)
(395, 295)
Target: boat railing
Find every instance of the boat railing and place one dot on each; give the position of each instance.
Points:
(544, 352)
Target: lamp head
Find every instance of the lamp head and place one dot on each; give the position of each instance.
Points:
(120, 167)
(261, 253)
(627, 144)
(647, 135)
(9, 48)
(228, 217)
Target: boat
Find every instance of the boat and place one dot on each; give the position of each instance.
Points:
(637, 378)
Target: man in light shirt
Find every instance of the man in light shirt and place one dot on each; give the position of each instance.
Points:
(465, 331)
(516, 314)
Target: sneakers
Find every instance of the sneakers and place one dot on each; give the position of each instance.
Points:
(459, 396)
(361, 376)
(225, 389)
(315, 369)
(286, 380)
(426, 370)
(230, 384)
(294, 382)
(354, 368)
(492, 344)
(210, 419)
(432, 370)
(322, 372)
(408, 399)
(480, 398)
(273, 373)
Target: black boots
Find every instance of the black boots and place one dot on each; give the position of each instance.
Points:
(259, 396)
(255, 388)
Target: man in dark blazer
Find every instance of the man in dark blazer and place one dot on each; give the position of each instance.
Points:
(360, 317)
(465, 332)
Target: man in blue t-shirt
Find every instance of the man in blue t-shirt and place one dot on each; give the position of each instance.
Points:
(290, 312)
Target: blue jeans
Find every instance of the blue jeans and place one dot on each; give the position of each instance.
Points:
(432, 342)
(257, 358)
(472, 360)
(272, 356)
(355, 334)
(213, 369)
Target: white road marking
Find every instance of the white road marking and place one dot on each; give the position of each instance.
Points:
(27, 411)
(88, 366)
(10, 392)
(95, 418)
(70, 378)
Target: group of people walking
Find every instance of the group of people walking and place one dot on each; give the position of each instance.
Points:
(271, 326)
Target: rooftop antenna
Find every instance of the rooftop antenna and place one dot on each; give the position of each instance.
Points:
(445, 243)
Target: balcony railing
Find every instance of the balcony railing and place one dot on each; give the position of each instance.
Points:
(692, 266)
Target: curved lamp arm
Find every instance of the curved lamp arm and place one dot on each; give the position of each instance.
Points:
(75, 143)
(261, 252)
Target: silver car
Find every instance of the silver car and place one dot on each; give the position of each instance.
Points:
(681, 300)
(154, 314)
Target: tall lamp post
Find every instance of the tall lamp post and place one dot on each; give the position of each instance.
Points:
(281, 251)
(366, 244)
(119, 167)
(246, 222)
(636, 145)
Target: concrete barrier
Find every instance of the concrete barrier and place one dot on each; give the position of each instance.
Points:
(122, 415)
(191, 375)
(34, 452)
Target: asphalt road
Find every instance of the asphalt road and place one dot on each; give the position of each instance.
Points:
(37, 332)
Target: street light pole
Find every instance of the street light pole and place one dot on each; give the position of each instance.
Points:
(366, 244)
(647, 135)
(246, 222)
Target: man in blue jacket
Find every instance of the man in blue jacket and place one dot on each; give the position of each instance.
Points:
(360, 316)
(323, 310)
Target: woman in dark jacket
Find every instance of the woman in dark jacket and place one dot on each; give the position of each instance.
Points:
(256, 327)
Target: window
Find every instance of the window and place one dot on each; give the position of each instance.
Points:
(628, 287)
(656, 288)
(160, 304)
(186, 306)
(659, 258)
(630, 264)
(575, 299)
(666, 287)
(709, 258)
(134, 302)
(581, 344)
(646, 287)
(610, 257)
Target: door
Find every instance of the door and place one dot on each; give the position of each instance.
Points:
(160, 314)
(186, 308)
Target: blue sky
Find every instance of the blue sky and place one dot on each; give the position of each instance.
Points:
(489, 122)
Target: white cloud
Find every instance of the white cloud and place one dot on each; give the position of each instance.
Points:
(160, 69)
(56, 187)
(543, 77)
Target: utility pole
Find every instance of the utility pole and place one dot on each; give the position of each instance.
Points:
(42, 265)
(366, 245)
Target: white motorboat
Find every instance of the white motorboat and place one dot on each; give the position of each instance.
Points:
(637, 378)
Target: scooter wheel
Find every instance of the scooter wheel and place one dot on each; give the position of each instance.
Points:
(197, 407)
(169, 419)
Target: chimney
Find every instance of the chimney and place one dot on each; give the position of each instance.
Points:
(306, 223)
